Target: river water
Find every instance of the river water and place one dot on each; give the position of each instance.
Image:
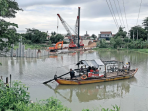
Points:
(130, 94)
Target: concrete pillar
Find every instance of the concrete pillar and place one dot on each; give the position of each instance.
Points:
(23, 50)
(11, 52)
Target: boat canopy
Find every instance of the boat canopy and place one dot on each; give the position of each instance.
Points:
(96, 63)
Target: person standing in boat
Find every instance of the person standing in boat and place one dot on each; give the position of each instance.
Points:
(81, 69)
(72, 73)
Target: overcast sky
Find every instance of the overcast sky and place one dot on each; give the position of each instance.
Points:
(95, 15)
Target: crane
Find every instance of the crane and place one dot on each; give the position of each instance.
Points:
(71, 45)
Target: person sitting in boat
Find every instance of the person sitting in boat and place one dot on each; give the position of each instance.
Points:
(91, 70)
(96, 71)
(88, 69)
(72, 74)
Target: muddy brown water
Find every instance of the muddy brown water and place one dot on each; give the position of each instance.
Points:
(130, 94)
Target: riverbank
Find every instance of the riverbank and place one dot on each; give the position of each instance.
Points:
(123, 49)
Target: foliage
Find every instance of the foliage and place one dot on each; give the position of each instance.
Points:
(50, 104)
(102, 43)
(56, 38)
(120, 33)
(9, 96)
(94, 36)
(16, 98)
(34, 35)
(53, 33)
(116, 42)
(8, 8)
(138, 30)
(49, 43)
(8, 33)
(145, 23)
(115, 108)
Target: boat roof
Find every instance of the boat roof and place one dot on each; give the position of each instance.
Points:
(96, 63)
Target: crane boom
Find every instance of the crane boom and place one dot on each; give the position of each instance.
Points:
(64, 24)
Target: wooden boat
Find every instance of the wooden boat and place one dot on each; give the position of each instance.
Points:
(78, 81)
(118, 74)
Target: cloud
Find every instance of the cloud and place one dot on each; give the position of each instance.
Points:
(95, 14)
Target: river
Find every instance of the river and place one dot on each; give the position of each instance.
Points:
(130, 94)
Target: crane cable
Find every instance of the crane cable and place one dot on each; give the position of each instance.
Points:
(139, 12)
(112, 14)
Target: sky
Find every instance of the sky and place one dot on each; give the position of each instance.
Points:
(95, 15)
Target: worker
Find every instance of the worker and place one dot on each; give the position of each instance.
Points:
(72, 73)
(81, 69)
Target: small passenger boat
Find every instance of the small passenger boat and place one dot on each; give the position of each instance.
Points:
(111, 71)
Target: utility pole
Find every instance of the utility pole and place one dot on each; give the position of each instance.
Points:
(133, 34)
(137, 34)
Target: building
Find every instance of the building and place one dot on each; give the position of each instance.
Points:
(105, 35)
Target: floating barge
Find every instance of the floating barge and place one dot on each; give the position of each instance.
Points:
(112, 72)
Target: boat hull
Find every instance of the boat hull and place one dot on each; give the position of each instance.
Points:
(79, 82)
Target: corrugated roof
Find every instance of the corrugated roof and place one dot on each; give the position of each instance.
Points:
(106, 32)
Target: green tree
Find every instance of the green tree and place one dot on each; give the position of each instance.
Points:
(94, 36)
(120, 33)
(56, 38)
(8, 9)
(53, 33)
(142, 34)
(145, 23)
(35, 36)
(116, 42)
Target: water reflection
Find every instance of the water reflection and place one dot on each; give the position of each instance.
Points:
(97, 91)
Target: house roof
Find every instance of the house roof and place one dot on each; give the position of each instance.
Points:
(106, 32)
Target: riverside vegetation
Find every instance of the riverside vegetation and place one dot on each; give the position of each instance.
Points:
(16, 98)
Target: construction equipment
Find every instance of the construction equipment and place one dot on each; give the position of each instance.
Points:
(73, 37)
(56, 47)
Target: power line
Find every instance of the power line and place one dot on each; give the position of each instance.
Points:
(125, 14)
(112, 14)
(121, 13)
(117, 12)
(139, 12)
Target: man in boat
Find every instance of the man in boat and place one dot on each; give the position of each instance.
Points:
(81, 69)
(72, 73)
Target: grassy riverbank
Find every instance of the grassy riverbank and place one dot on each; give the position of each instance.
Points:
(123, 49)
(32, 46)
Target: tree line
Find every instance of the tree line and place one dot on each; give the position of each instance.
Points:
(137, 38)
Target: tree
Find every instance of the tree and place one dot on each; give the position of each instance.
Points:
(138, 30)
(94, 36)
(35, 36)
(56, 38)
(8, 8)
(116, 42)
(120, 33)
(53, 33)
(8, 35)
(145, 23)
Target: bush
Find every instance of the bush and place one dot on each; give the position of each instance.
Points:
(9, 96)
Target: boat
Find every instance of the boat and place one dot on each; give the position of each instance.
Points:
(111, 72)
(96, 91)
